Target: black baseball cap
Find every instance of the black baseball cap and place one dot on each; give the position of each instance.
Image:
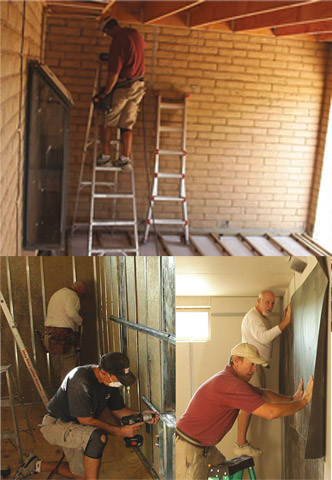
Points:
(118, 364)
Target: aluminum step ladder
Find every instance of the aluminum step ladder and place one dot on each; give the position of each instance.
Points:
(10, 402)
(104, 185)
(169, 107)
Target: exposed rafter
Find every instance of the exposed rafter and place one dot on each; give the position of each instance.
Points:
(312, 18)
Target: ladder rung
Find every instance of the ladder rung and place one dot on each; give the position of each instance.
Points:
(170, 129)
(167, 222)
(111, 169)
(172, 106)
(113, 195)
(168, 175)
(6, 402)
(101, 184)
(114, 223)
(8, 435)
(168, 199)
(171, 152)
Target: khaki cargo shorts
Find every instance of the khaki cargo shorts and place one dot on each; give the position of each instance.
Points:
(72, 437)
(191, 464)
(125, 103)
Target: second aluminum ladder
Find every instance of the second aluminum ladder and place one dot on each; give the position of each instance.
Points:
(170, 107)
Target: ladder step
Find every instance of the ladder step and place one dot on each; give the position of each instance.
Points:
(115, 223)
(113, 195)
(170, 129)
(110, 169)
(5, 402)
(172, 106)
(169, 175)
(163, 221)
(100, 184)
(171, 152)
(8, 435)
(168, 199)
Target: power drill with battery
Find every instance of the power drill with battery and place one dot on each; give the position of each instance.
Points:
(136, 440)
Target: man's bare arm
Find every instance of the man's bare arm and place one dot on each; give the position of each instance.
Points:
(271, 396)
(125, 431)
(271, 410)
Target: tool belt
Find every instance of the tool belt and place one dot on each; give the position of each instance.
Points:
(192, 441)
(59, 340)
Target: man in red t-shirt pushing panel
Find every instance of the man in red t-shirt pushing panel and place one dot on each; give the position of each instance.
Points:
(214, 408)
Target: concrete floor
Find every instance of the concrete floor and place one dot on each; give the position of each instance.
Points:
(118, 461)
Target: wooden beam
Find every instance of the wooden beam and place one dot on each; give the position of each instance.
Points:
(108, 6)
(324, 37)
(216, 11)
(316, 11)
(156, 10)
(304, 28)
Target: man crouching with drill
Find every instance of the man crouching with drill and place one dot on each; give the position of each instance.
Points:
(73, 418)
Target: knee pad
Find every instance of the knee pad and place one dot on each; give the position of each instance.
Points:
(95, 446)
(123, 130)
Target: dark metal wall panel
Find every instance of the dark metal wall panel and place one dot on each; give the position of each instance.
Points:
(299, 347)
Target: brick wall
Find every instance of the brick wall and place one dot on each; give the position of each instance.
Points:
(14, 17)
(253, 119)
(321, 145)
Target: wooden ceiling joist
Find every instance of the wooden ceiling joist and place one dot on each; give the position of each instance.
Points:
(216, 11)
(312, 18)
(312, 12)
(304, 28)
(156, 10)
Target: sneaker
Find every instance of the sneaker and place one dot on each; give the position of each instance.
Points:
(123, 163)
(246, 449)
(103, 160)
(28, 467)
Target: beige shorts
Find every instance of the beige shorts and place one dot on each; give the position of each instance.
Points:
(191, 464)
(72, 437)
(258, 379)
(125, 103)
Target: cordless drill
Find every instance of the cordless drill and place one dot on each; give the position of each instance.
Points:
(136, 440)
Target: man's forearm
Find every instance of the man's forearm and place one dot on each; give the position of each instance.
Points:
(111, 81)
(271, 396)
(278, 409)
